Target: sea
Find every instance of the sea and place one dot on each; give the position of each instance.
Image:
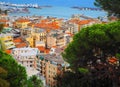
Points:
(61, 12)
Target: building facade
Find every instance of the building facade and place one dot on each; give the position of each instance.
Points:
(26, 56)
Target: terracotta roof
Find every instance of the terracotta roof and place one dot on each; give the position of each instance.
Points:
(44, 20)
(30, 24)
(54, 46)
(113, 18)
(112, 60)
(3, 20)
(82, 22)
(20, 45)
(3, 15)
(8, 51)
(69, 33)
(40, 25)
(17, 40)
(23, 20)
(6, 25)
(41, 48)
(47, 51)
(51, 25)
(74, 20)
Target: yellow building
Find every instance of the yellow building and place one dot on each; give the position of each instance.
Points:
(51, 72)
(6, 41)
(51, 66)
(31, 41)
(22, 23)
(36, 36)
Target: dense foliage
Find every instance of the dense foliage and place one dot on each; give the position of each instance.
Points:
(16, 74)
(34, 82)
(111, 6)
(89, 53)
(3, 75)
(12, 74)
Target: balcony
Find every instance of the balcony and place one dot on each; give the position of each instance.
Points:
(9, 43)
(11, 47)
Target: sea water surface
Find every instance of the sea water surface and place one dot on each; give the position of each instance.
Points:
(61, 12)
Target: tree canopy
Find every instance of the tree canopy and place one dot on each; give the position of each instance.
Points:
(34, 82)
(16, 74)
(98, 40)
(95, 51)
(111, 6)
(3, 75)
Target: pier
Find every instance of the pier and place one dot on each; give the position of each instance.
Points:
(20, 5)
(87, 8)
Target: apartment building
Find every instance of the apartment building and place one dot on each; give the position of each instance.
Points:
(20, 42)
(26, 56)
(51, 65)
(22, 23)
(6, 41)
(78, 24)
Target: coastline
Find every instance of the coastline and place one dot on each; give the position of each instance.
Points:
(61, 12)
(55, 11)
(87, 8)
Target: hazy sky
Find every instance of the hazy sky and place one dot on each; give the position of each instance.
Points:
(87, 3)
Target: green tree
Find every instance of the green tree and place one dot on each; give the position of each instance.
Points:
(111, 6)
(73, 79)
(34, 82)
(3, 75)
(90, 50)
(16, 73)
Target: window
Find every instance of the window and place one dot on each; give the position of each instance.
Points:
(49, 71)
(30, 65)
(53, 68)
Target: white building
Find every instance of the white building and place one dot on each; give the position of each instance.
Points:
(26, 56)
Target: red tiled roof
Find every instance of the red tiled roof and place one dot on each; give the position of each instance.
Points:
(30, 24)
(8, 51)
(3, 20)
(54, 46)
(47, 51)
(74, 20)
(80, 22)
(23, 20)
(112, 60)
(41, 48)
(51, 25)
(44, 21)
(17, 40)
(20, 45)
(6, 25)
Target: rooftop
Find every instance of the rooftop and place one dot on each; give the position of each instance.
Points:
(21, 20)
(27, 51)
(3, 20)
